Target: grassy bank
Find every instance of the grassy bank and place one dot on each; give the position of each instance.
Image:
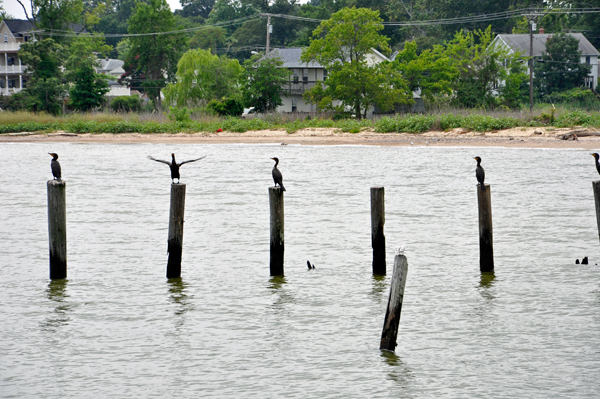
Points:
(13, 122)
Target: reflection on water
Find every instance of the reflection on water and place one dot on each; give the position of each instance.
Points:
(178, 296)
(277, 285)
(379, 288)
(56, 292)
(486, 284)
(399, 372)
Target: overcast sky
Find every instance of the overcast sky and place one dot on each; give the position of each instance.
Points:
(15, 9)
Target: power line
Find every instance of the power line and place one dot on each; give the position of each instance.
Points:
(432, 22)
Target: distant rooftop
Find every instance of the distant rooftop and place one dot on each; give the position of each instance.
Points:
(520, 42)
(20, 26)
(291, 58)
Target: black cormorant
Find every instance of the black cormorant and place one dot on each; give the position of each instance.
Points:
(595, 155)
(174, 165)
(277, 176)
(480, 173)
(310, 267)
(55, 166)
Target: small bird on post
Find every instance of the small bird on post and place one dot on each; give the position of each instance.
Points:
(596, 157)
(480, 173)
(277, 176)
(55, 166)
(174, 165)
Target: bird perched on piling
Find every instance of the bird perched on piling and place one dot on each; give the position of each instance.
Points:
(55, 166)
(174, 165)
(310, 267)
(277, 176)
(480, 173)
(596, 156)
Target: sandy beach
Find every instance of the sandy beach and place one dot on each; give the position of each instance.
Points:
(539, 137)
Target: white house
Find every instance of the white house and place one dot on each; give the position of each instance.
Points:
(114, 69)
(521, 42)
(13, 33)
(305, 76)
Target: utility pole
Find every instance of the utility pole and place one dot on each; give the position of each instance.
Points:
(269, 30)
(531, 18)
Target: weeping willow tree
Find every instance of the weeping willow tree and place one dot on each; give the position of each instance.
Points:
(201, 77)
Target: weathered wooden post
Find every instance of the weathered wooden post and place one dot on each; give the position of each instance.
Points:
(486, 244)
(394, 308)
(57, 228)
(596, 187)
(175, 240)
(277, 247)
(377, 222)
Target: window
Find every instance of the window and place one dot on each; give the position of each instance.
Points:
(587, 60)
(12, 83)
(6, 38)
(305, 75)
(296, 76)
(2, 84)
(11, 61)
(324, 74)
(589, 82)
(294, 104)
(26, 38)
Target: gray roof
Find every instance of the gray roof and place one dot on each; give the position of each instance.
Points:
(291, 58)
(107, 65)
(20, 26)
(520, 42)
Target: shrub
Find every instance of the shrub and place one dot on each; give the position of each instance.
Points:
(125, 104)
(230, 106)
(180, 114)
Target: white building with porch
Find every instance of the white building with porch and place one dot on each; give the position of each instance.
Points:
(521, 42)
(13, 33)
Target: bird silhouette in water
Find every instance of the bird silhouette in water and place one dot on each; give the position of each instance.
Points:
(55, 166)
(310, 267)
(277, 176)
(480, 173)
(174, 165)
(596, 156)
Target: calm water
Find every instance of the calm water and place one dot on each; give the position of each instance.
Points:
(117, 328)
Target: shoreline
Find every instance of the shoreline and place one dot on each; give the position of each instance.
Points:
(529, 137)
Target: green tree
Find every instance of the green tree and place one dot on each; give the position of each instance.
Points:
(264, 82)
(201, 77)
(480, 67)
(88, 87)
(561, 68)
(46, 86)
(196, 8)
(344, 44)
(431, 71)
(209, 38)
(153, 58)
(52, 14)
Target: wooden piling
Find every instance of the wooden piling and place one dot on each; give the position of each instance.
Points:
(486, 245)
(175, 240)
(276, 222)
(596, 187)
(377, 237)
(57, 228)
(394, 308)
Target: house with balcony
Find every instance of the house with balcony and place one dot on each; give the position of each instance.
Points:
(521, 42)
(13, 33)
(304, 76)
